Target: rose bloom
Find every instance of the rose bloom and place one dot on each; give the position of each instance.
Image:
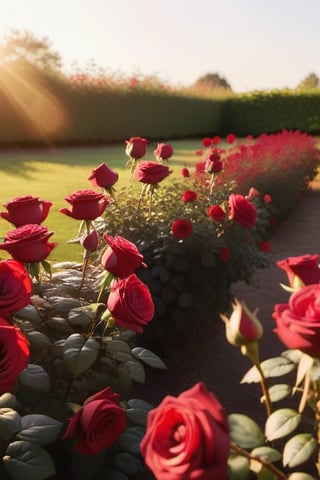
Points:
(26, 209)
(253, 193)
(130, 303)
(151, 172)
(187, 437)
(163, 151)
(265, 246)
(199, 152)
(189, 196)
(305, 267)
(98, 424)
(231, 138)
(136, 147)
(14, 355)
(216, 140)
(267, 198)
(102, 176)
(206, 142)
(249, 137)
(86, 205)
(242, 211)
(28, 243)
(121, 257)
(217, 213)
(225, 254)
(185, 172)
(15, 288)
(181, 228)
(298, 322)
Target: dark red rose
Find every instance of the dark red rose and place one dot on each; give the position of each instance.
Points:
(305, 267)
(136, 147)
(231, 138)
(181, 228)
(91, 241)
(102, 176)
(242, 211)
(187, 437)
(15, 288)
(86, 205)
(298, 322)
(206, 142)
(14, 355)
(121, 257)
(189, 196)
(265, 246)
(98, 424)
(151, 172)
(26, 209)
(217, 213)
(130, 303)
(225, 254)
(28, 243)
(163, 151)
(216, 140)
(213, 163)
(185, 172)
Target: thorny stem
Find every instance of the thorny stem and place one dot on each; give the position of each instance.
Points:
(273, 469)
(265, 390)
(86, 257)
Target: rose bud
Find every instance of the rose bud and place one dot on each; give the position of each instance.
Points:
(242, 327)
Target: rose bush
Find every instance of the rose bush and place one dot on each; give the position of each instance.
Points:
(26, 209)
(187, 437)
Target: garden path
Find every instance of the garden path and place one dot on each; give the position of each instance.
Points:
(220, 365)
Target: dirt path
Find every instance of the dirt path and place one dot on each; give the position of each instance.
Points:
(220, 365)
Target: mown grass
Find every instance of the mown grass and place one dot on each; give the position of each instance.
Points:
(53, 174)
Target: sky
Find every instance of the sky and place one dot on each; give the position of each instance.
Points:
(253, 44)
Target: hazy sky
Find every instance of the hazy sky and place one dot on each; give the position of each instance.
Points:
(254, 44)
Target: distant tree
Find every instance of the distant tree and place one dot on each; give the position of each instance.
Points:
(24, 47)
(212, 81)
(311, 81)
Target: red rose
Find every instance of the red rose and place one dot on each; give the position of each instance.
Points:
(199, 152)
(136, 147)
(265, 246)
(98, 424)
(242, 211)
(267, 198)
(185, 172)
(181, 228)
(163, 151)
(91, 241)
(102, 176)
(28, 243)
(86, 205)
(14, 355)
(305, 267)
(253, 193)
(217, 213)
(121, 257)
(249, 137)
(130, 303)
(187, 437)
(216, 140)
(225, 254)
(26, 209)
(231, 138)
(15, 287)
(206, 142)
(298, 322)
(151, 172)
(189, 196)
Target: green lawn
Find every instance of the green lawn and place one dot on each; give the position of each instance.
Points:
(53, 174)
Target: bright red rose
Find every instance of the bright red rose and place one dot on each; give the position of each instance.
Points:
(225, 254)
(121, 257)
(28, 243)
(189, 196)
(267, 198)
(305, 267)
(231, 138)
(187, 437)
(26, 209)
(130, 303)
(216, 140)
(86, 205)
(199, 152)
(102, 176)
(151, 172)
(181, 228)
(206, 142)
(98, 424)
(14, 355)
(136, 147)
(185, 172)
(298, 322)
(242, 211)
(253, 193)
(15, 288)
(163, 151)
(91, 241)
(217, 213)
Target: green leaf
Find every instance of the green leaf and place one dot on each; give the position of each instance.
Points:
(135, 370)
(148, 357)
(127, 463)
(11, 418)
(39, 429)
(80, 353)
(300, 476)
(27, 461)
(238, 467)
(265, 474)
(267, 453)
(305, 364)
(109, 473)
(115, 346)
(273, 367)
(47, 267)
(244, 431)
(293, 355)
(87, 468)
(281, 422)
(279, 392)
(8, 400)
(298, 449)
(130, 440)
(34, 377)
